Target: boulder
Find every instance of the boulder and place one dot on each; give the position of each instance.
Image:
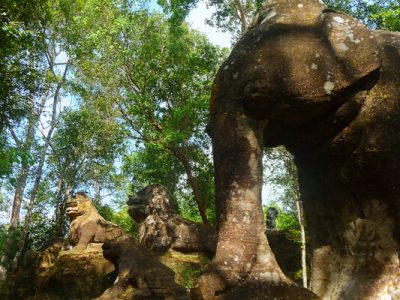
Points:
(71, 269)
(140, 274)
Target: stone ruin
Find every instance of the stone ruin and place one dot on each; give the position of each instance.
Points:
(140, 275)
(168, 246)
(73, 268)
(326, 87)
(272, 215)
(180, 244)
(97, 259)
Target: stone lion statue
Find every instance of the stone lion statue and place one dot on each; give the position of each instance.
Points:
(70, 269)
(140, 274)
(87, 226)
(161, 228)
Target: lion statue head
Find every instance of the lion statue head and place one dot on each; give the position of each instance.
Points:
(154, 199)
(78, 205)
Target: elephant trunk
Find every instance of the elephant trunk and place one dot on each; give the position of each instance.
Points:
(242, 251)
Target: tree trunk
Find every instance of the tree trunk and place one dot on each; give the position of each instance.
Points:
(36, 185)
(96, 200)
(58, 208)
(242, 16)
(26, 147)
(295, 191)
(23, 177)
(39, 170)
(192, 180)
(18, 195)
(30, 209)
(60, 215)
(21, 184)
(303, 243)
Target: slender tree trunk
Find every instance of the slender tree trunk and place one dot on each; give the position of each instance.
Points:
(242, 16)
(96, 193)
(60, 213)
(21, 183)
(18, 195)
(192, 180)
(303, 243)
(26, 147)
(28, 215)
(39, 170)
(58, 210)
(23, 177)
(295, 192)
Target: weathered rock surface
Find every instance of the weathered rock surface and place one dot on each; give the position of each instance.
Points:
(140, 274)
(71, 269)
(68, 275)
(287, 252)
(99, 261)
(35, 263)
(326, 87)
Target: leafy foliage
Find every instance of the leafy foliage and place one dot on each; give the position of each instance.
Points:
(233, 16)
(8, 156)
(378, 14)
(286, 219)
(156, 81)
(9, 243)
(21, 43)
(85, 146)
(190, 276)
(120, 217)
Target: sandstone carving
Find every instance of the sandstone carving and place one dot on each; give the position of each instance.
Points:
(326, 87)
(53, 274)
(74, 268)
(272, 215)
(287, 250)
(161, 228)
(87, 226)
(140, 274)
(32, 272)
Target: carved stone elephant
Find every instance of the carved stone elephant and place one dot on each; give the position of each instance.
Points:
(325, 86)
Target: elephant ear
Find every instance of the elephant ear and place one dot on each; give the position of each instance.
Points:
(354, 47)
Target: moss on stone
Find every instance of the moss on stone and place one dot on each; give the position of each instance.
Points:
(187, 266)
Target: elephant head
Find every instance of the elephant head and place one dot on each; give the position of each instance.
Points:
(311, 79)
(295, 65)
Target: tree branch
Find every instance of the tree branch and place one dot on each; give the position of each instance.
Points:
(242, 15)
(14, 136)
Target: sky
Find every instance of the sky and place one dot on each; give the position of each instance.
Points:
(197, 19)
